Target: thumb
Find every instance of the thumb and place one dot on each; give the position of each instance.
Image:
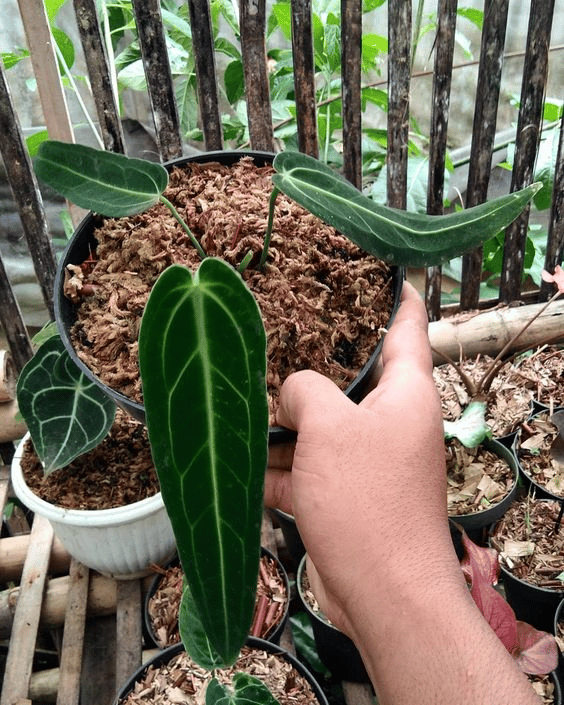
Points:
(306, 398)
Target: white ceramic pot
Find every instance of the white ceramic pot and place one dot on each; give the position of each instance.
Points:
(122, 542)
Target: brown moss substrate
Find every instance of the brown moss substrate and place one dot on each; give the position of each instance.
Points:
(323, 300)
(117, 472)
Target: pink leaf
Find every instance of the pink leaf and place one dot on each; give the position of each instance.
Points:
(537, 652)
(497, 613)
(557, 278)
(478, 561)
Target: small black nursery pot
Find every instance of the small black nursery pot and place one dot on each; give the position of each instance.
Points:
(534, 601)
(476, 524)
(271, 612)
(294, 671)
(539, 449)
(336, 650)
(292, 538)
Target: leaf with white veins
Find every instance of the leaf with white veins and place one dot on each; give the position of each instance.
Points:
(65, 412)
(202, 354)
(396, 236)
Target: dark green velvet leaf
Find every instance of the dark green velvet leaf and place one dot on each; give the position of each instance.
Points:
(65, 412)
(247, 690)
(105, 182)
(202, 350)
(396, 236)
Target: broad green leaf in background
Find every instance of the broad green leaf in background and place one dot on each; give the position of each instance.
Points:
(471, 428)
(246, 689)
(302, 633)
(65, 412)
(396, 236)
(202, 355)
(108, 183)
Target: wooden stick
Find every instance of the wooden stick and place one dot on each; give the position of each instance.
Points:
(26, 619)
(101, 601)
(13, 551)
(73, 635)
(128, 629)
(7, 377)
(487, 332)
(11, 428)
(44, 685)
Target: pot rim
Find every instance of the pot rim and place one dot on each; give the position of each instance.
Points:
(78, 517)
(253, 642)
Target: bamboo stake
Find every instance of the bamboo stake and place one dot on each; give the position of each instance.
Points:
(13, 551)
(7, 377)
(73, 635)
(11, 427)
(101, 602)
(26, 619)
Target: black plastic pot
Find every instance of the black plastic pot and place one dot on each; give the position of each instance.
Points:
(335, 649)
(273, 637)
(531, 603)
(83, 243)
(292, 538)
(165, 656)
(529, 481)
(559, 617)
(477, 524)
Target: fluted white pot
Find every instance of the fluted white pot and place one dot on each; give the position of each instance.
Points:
(122, 542)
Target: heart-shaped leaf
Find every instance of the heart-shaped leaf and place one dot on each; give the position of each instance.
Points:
(105, 182)
(202, 353)
(399, 237)
(65, 412)
(247, 690)
(471, 428)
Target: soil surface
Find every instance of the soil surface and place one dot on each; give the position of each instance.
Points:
(119, 471)
(164, 603)
(477, 478)
(537, 374)
(530, 544)
(182, 681)
(323, 301)
(534, 445)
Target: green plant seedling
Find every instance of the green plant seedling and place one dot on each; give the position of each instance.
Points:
(65, 412)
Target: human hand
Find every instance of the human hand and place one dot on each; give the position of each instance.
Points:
(368, 481)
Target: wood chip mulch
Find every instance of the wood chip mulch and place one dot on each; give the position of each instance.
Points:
(477, 478)
(323, 301)
(529, 543)
(119, 471)
(534, 450)
(270, 604)
(182, 681)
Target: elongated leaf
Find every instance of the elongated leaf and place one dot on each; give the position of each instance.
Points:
(246, 690)
(400, 237)
(65, 412)
(107, 183)
(202, 350)
(192, 632)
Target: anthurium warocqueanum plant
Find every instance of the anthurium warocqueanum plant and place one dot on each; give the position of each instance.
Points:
(65, 412)
(202, 356)
(536, 652)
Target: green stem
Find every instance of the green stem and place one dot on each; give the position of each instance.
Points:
(417, 31)
(186, 229)
(268, 234)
